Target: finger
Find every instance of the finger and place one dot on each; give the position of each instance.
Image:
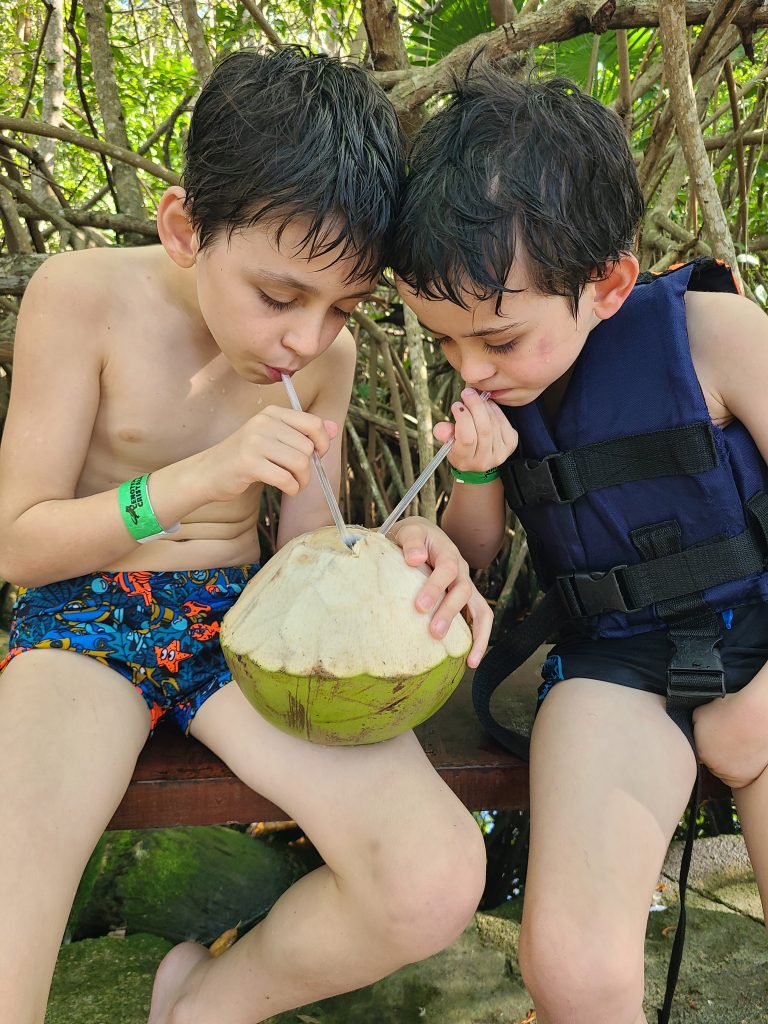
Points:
(482, 623)
(448, 569)
(305, 423)
(456, 598)
(506, 433)
(289, 459)
(465, 434)
(443, 431)
(485, 426)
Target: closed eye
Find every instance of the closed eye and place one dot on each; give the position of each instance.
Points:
(274, 303)
(499, 349)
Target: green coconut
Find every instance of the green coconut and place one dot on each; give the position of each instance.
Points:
(326, 642)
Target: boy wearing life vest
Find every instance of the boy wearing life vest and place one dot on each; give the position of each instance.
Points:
(627, 428)
(160, 367)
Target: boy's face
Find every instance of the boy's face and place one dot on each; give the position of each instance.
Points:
(269, 307)
(514, 354)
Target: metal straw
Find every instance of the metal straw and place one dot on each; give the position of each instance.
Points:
(349, 538)
(419, 482)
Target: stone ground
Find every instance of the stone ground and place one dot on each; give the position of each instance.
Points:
(724, 977)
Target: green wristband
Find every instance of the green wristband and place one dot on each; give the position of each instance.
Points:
(137, 512)
(467, 476)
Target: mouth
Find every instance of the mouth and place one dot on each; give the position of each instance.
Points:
(275, 373)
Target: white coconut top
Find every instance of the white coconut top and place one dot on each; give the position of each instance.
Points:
(318, 606)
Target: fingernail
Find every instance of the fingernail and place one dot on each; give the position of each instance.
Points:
(440, 628)
(468, 393)
(425, 602)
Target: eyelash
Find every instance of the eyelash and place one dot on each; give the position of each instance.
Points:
(498, 349)
(283, 306)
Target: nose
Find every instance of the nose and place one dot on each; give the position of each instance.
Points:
(475, 370)
(304, 338)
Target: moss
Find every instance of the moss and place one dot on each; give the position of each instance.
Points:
(100, 981)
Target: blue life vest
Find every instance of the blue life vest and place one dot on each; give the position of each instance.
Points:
(635, 380)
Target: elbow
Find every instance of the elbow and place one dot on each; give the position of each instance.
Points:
(19, 570)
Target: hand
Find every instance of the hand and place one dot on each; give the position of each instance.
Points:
(731, 736)
(274, 447)
(448, 588)
(483, 436)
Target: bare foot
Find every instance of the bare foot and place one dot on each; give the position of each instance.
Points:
(171, 977)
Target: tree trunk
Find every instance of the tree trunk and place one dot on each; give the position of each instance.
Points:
(683, 102)
(126, 179)
(201, 55)
(53, 95)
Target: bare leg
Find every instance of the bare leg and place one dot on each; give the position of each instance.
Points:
(404, 871)
(70, 732)
(752, 805)
(610, 777)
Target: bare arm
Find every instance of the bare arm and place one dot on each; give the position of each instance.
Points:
(474, 518)
(47, 531)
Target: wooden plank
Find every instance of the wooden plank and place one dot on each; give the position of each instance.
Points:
(179, 782)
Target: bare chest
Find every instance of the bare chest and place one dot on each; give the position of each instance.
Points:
(160, 405)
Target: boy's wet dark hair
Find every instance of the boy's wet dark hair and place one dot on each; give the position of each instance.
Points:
(279, 136)
(535, 164)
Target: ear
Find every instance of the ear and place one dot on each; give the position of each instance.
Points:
(611, 292)
(178, 236)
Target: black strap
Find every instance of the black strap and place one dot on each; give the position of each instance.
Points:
(565, 476)
(676, 955)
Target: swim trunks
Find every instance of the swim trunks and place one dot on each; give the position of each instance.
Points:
(641, 661)
(160, 630)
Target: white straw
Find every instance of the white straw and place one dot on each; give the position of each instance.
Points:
(348, 538)
(419, 482)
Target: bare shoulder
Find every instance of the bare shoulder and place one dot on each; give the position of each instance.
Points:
(728, 335)
(327, 381)
(713, 315)
(72, 290)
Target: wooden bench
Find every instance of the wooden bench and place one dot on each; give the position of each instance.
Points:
(179, 782)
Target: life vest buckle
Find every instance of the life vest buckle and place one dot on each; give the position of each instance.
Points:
(695, 673)
(530, 481)
(591, 593)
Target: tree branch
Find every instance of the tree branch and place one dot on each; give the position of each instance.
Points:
(674, 46)
(126, 156)
(548, 25)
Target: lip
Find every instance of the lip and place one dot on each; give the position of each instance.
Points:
(275, 373)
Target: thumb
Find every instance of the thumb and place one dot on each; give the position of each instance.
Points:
(443, 431)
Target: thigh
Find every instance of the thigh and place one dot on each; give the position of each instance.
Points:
(610, 776)
(70, 732)
(345, 798)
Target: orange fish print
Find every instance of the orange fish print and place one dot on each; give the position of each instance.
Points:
(193, 609)
(136, 584)
(203, 631)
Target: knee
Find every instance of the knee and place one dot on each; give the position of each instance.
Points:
(585, 975)
(427, 895)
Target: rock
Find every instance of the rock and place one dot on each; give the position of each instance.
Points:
(720, 870)
(475, 981)
(179, 883)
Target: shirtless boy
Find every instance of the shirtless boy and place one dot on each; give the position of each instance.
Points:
(166, 361)
(627, 427)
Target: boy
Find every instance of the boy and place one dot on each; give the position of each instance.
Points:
(631, 428)
(167, 361)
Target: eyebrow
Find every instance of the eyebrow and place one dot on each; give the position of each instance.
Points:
(303, 286)
(487, 332)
